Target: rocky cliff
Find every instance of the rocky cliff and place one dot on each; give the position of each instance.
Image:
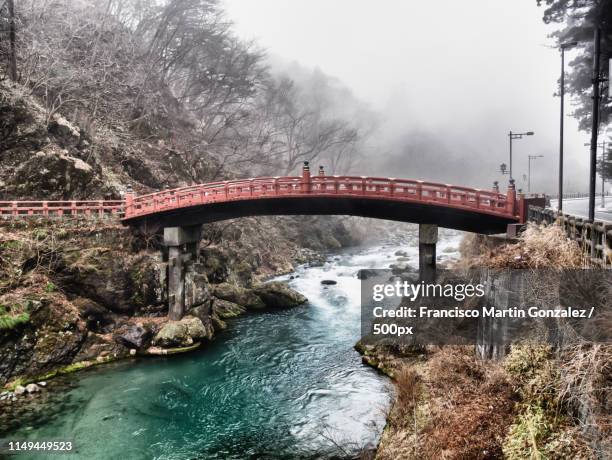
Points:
(90, 291)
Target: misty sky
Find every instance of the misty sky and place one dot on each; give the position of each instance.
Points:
(456, 75)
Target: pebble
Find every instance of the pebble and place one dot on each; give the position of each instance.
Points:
(32, 388)
(19, 390)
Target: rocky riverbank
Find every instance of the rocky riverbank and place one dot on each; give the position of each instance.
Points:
(74, 294)
(538, 402)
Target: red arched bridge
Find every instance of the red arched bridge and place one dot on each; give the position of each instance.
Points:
(450, 206)
(182, 211)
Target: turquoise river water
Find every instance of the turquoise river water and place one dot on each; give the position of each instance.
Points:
(276, 385)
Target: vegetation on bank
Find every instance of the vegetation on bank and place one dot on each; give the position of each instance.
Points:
(539, 402)
(10, 321)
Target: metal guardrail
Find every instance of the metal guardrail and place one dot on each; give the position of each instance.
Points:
(575, 195)
(594, 238)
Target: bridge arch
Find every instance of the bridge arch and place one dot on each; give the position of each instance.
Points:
(404, 200)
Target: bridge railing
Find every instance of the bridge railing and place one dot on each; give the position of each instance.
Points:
(92, 208)
(397, 189)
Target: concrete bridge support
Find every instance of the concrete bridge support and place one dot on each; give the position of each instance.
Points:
(182, 244)
(428, 237)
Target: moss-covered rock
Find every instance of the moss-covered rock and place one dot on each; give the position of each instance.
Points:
(113, 279)
(277, 294)
(226, 309)
(182, 333)
(238, 295)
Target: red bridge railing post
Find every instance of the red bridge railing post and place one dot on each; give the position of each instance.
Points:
(129, 201)
(522, 211)
(511, 198)
(306, 184)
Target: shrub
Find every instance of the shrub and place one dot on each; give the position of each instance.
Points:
(8, 322)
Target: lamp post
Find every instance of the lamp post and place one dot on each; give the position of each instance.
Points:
(563, 47)
(531, 157)
(512, 136)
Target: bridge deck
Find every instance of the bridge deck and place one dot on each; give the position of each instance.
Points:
(485, 211)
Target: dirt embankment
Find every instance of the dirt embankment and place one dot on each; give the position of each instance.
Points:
(538, 402)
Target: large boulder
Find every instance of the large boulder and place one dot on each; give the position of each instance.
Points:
(54, 174)
(97, 318)
(196, 289)
(277, 294)
(182, 333)
(204, 313)
(119, 283)
(239, 295)
(65, 131)
(133, 336)
(226, 309)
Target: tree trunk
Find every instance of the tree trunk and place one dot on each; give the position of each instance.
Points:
(12, 54)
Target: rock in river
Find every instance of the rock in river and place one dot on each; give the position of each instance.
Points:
(181, 333)
(32, 388)
(239, 295)
(134, 336)
(277, 294)
(366, 273)
(329, 282)
(20, 389)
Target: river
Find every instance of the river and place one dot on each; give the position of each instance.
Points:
(275, 385)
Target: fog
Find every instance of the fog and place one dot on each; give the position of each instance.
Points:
(448, 80)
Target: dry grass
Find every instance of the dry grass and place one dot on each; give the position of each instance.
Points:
(538, 403)
(586, 391)
(452, 407)
(537, 247)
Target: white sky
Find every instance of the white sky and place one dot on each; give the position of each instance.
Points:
(468, 70)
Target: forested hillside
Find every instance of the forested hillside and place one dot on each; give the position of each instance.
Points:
(156, 95)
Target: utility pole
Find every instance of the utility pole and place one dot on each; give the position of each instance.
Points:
(595, 123)
(564, 46)
(602, 166)
(12, 39)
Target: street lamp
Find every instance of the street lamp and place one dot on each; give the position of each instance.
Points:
(512, 136)
(563, 47)
(531, 157)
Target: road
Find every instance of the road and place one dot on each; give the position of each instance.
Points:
(580, 207)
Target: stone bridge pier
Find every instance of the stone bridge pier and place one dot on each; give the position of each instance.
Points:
(182, 244)
(428, 238)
